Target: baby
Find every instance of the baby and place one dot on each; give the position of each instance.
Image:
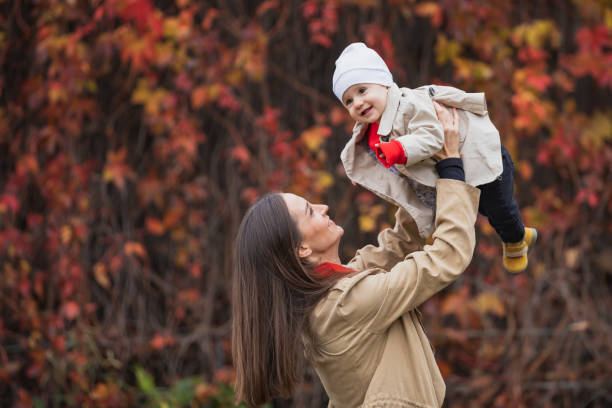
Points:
(396, 134)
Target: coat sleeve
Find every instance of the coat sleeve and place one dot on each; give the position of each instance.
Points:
(393, 245)
(424, 133)
(375, 301)
(451, 96)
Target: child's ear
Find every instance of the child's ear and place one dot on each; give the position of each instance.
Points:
(304, 251)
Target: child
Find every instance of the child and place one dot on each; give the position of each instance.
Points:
(402, 133)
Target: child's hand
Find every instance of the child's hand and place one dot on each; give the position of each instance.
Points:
(390, 153)
(379, 151)
(450, 123)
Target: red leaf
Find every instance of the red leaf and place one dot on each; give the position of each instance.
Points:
(309, 8)
(196, 271)
(322, 39)
(531, 54)
(209, 18)
(70, 310)
(538, 81)
(241, 154)
(157, 342)
(250, 195)
(10, 202)
(269, 119)
(594, 39)
(138, 11)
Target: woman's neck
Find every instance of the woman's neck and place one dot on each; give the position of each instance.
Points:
(330, 258)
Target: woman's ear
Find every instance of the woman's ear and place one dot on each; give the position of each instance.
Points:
(304, 251)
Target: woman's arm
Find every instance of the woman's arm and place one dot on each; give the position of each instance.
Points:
(393, 245)
(376, 301)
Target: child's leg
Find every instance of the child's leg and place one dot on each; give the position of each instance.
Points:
(497, 203)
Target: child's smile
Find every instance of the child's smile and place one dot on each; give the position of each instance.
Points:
(366, 111)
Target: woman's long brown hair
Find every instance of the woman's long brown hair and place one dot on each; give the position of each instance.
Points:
(272, 295)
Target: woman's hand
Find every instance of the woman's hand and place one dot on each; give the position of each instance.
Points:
(450, 123)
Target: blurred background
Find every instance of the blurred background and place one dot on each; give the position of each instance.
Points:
(134, 134)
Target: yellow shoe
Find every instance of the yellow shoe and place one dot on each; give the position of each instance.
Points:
(515, 253)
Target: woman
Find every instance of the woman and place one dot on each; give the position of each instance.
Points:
(358, 323)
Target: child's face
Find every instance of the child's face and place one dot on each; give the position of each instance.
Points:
(365, 102)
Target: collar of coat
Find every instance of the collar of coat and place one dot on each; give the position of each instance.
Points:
(386, 120)
(326, 269)
(393, 101)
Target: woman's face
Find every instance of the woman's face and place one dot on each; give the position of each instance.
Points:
(320, 235)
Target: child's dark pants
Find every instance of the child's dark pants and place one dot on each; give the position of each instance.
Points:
(497, 203)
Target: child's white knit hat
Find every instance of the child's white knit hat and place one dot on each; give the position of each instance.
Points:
(359, 64)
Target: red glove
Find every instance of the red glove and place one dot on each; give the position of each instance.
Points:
(393, 151)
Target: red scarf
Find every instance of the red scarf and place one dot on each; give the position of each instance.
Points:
(373, 139)
(328, 269)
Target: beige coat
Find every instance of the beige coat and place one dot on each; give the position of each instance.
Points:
(410, 117)
(369, 347)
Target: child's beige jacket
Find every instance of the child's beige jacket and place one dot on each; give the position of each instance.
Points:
(368, 345)
(410, 117)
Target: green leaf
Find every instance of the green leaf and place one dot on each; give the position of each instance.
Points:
(145, 381)
(183, 391)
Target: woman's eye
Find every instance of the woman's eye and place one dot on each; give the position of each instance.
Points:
(362, 90)
(348, 102)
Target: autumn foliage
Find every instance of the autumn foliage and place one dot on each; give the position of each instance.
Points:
(135, 133)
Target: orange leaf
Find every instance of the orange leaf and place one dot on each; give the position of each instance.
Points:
(160, 341)
(134, 248)
(456, 304)
(199, 96)
(100, 392)
(101, 275)
(204, 391)
(154, 226)
(430, 9)
(173, 216)
(313, 137)
(525, 170)
(490, 302)
(28, 163)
